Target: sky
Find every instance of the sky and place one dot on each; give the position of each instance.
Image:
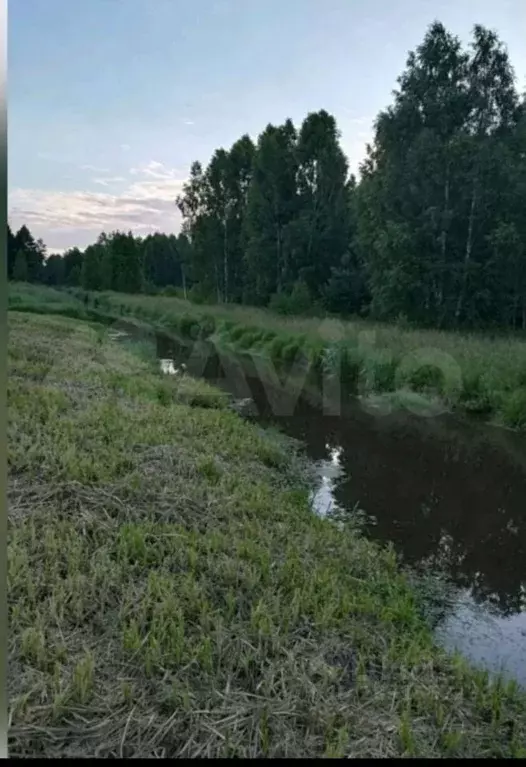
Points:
(110, 101)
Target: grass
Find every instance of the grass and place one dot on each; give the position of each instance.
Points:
(470, 373)
(172, 594)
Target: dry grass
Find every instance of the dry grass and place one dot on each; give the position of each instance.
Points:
(171, 593)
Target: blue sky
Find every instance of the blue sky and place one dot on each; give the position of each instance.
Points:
(109, 101)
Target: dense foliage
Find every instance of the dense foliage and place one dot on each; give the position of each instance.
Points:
(434, 231)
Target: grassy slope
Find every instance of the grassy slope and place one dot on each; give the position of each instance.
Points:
(171, 593)
(478, 374)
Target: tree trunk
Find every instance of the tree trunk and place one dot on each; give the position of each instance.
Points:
(225, 261)
(467, 255)
(278, 258)
(218, 287)
(443, 239)
(183, 276)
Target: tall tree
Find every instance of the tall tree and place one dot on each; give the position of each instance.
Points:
(11, 251)
(53, 271)
(91, 277)
(271, 205)
(34, 251)
(72, 266)
(20, 270)
(321, 230)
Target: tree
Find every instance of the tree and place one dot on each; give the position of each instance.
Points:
(434, 230)
(20, 270)
(161, 260)
(33, 250)
(91, 269)
(11, 251)
(321, 230)
(201, 232)
(72, 267)
(271, 204)
(237, 177)
(53, 271)
(429, 196)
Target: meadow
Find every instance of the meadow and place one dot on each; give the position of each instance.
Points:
(467, 372)
(172, 594)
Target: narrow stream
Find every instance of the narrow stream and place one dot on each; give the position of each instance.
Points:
(447, 493)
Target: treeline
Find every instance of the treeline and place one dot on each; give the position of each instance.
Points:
(117, 261)
(433, 232)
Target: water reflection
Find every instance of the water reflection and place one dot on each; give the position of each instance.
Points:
(448, 494)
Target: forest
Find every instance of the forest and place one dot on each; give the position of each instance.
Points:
(431, 232)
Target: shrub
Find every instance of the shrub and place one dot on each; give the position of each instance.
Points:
(351, 368)
(276, 348)
(200, 294)
(170, 290)
(381, 373)
(514, 409)
(207, 326)
(290, 351)
(426, 377)
(299, 301)
(279, 303)
(475, 397)
(247, 339)
(236, 332)
(188, 326)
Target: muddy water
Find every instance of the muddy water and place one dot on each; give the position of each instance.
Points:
(445, 492)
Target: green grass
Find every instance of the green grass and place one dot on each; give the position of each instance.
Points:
(172, 594)
(470, 373)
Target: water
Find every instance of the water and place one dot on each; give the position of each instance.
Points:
(447, 493)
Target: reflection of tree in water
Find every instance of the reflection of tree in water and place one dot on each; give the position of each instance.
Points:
(470, 515)
(442, 497)
(441, 492)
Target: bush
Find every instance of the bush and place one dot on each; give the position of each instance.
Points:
(207, 326)
(150, 289)
(475, 397)
(514, 409)
(381, 373)
(246, 340)
(426, 377)
(279, 303)
(290, 351)
(200, 294)
(351, 368)
(171, 291)
(236, 332)
(276, 348)
(299, 301)
(188, 326)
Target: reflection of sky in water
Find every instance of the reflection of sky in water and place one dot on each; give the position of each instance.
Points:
(480, 633)
(167, 366)
(329, 471)
(495, 642)
(442, 496)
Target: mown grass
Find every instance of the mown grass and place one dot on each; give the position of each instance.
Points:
(172, 594)
(471, 373)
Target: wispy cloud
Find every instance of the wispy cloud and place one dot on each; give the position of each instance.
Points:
(95, 168)
(125, 147)
(64, 219)
(109, 181)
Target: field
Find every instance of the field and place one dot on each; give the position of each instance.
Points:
(172, 594)
(470, 373)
